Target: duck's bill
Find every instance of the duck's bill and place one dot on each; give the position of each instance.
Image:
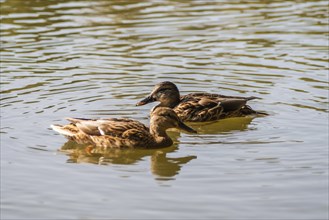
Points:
(145, 101)
(186, 128)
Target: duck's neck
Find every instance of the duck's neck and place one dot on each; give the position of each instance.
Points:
(175, 100)
(160, 136)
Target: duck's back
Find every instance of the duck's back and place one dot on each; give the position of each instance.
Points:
(111, 132)
(117, 127)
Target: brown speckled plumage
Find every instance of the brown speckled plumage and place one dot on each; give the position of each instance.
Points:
(199, 107)
(122, 132)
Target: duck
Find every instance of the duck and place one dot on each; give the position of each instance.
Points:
(124, 132)
(199, 107)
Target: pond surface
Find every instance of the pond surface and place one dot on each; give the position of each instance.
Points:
(99, 58)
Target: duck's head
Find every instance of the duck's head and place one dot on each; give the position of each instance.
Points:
(165, 92)
(164, 118)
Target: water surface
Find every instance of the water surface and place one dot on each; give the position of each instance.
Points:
(99, 58)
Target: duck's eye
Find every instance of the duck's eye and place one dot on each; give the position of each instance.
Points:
(166, 115)
(160, 92)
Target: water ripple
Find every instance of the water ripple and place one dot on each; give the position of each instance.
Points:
(98, 58)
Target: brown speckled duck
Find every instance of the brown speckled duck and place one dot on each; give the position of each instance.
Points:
(199, 107)
(122, 132)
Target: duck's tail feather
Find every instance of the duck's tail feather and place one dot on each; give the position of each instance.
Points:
(60, 129)
(77, 120)
(252, 97)
(262, 113)
(247, 110)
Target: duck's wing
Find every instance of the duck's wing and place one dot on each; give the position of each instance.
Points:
(233, 104)
(87, 126)
(198, 107)
(118, 127)
(111, 132)
(109, 126)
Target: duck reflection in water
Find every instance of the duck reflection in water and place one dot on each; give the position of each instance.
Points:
(162, 166)
(228, 125)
